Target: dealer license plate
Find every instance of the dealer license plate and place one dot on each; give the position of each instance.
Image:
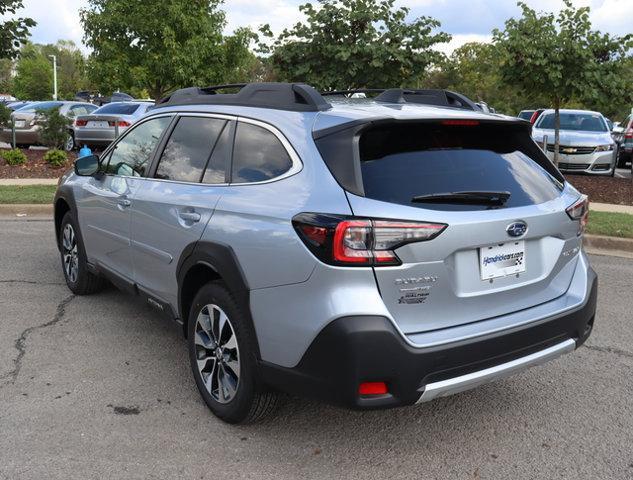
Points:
(502, 260)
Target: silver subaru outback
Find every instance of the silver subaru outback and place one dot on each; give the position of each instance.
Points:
(367, 252)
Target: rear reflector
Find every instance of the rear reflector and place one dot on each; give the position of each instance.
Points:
(373, 388)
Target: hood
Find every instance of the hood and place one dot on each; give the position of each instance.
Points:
(574, 138)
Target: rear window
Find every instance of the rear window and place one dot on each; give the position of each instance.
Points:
(582, 122)
(526, 114)
(41, 106)
(402, 161)
(118, 108)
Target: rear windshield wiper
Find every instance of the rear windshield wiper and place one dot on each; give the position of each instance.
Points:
(469, 198)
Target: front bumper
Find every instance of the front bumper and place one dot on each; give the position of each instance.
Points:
(597, 163)
(352, 350)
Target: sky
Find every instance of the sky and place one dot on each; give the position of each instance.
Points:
(466, 20)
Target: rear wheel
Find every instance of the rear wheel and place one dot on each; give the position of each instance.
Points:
(74, 264)
(221, 347)
(70, 142)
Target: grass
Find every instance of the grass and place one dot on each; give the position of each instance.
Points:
(610, 224)
(12, 194)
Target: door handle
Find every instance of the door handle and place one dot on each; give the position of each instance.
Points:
(124, 202)
(190, 216)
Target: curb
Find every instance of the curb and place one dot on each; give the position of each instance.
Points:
(26, 210)
(603, 245)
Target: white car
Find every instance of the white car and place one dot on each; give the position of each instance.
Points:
(586, 144)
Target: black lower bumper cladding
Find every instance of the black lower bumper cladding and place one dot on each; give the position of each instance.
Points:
(352, 350)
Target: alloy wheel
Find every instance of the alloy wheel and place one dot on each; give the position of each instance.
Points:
(70, 254)
(217, 353)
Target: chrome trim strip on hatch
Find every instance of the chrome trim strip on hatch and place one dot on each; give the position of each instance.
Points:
(475, 379)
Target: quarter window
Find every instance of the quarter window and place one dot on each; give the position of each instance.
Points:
(189, 149)
(131, 155)
(258, 155)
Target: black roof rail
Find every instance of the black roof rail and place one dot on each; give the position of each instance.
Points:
(441, 98)
(297, 97)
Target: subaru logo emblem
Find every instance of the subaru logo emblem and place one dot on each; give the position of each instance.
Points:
(517, 229)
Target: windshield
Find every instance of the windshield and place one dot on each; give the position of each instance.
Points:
(39, 106)
(580, 122)
(118, 108)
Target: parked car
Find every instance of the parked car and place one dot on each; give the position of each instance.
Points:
(19, 104)
(370, 253)
(115, 97)
(526, 114)
(624, 139)
(102, 126)
(28, 122)
(586, 144)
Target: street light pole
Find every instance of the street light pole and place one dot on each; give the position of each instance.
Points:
(54, 57)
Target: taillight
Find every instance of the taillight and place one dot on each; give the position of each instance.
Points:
(628, 133)
(340, 240)
(580, 211)
(121, 123)
(534, 117)
(81, 123)
(461, 123)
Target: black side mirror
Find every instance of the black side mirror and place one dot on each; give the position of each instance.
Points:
(87, 166)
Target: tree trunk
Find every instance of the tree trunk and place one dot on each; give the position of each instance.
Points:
(556, 131)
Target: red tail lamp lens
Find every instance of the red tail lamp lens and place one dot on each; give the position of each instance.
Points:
(373, 388)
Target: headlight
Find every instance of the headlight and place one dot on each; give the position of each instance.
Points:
(604, 148)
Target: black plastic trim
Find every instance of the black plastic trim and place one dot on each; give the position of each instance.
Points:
(357, 349)
(297, 97)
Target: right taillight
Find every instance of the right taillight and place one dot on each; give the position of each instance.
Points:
(579, 211)
(350, 241)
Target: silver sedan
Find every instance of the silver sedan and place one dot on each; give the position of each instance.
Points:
(104, 124)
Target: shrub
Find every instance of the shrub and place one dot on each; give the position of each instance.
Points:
(14, 157)
(55, 127)
(56, 158)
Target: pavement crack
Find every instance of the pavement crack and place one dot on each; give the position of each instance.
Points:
(32, 282)
(20, 343)
(615, 351)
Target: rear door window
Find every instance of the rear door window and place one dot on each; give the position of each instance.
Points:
(258, 155)
(189, 149)
(402, 161)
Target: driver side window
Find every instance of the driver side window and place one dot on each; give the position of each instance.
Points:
(132, 154)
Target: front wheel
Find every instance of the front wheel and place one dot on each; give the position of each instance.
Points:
(74, 264)
(221, 347)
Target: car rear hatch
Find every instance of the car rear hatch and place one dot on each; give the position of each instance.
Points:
(509, 243)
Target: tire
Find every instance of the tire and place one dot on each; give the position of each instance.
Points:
(226, 377)
(79, 279)
(69, 146)
(620, 159)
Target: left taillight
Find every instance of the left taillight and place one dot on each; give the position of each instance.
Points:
(81, 123)
(349, 241)
(579, 211)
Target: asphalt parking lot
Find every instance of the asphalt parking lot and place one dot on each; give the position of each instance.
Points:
(99, 387)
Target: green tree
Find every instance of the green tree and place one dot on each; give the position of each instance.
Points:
(558, 56)
(6, 75)
(355, 43)
(71, 68)
(34, 75)
(13, 33)
(159, 45)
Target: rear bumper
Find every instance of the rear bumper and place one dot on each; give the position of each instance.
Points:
(352, 350)
(30, 137)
